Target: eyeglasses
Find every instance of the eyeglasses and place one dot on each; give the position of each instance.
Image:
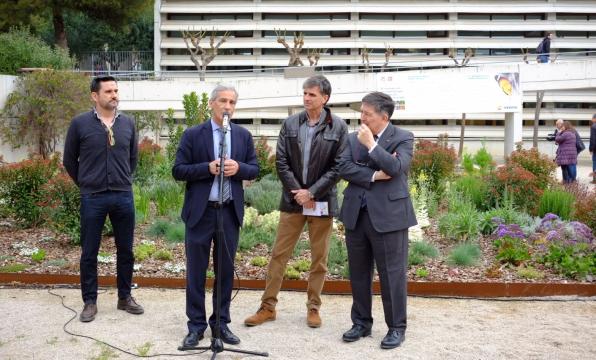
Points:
(111, 138)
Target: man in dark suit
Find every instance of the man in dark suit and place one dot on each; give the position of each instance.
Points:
(377, 212)
(198, 163)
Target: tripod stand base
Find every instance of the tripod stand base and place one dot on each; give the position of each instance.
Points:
(217, 346)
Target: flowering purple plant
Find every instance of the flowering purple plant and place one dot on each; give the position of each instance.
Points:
(509, 230)
(549, 222)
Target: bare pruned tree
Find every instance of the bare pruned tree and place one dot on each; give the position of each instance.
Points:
(468, 54)
(388, 55)
(525, 53)
(313, 56)
(365, 61)
(200, 56)
(295, 51)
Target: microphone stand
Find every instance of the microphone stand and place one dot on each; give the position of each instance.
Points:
(217, 344)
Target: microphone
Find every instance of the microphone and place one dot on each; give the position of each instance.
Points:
(226, 121)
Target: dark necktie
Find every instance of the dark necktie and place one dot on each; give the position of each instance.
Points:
(226, 181)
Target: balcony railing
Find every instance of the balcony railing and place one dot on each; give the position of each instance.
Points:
(116, 62)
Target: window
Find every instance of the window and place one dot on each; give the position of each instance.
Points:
(341, 33)
(375, 16)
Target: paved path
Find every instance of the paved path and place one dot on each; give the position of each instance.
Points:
(31, 328)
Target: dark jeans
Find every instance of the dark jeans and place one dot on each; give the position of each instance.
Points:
(542, 58)
(119, 206)
(569, 173)
(594, 163)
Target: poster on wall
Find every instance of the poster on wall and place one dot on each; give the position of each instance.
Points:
(429, 92)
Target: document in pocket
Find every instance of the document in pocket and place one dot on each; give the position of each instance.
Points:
(321, 209)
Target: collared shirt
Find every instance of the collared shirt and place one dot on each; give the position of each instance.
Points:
(307, 133)
(214, 193)
(375, 145)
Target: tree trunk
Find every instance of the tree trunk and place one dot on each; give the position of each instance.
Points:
(539, 97)
(59, 29)
(461, 136)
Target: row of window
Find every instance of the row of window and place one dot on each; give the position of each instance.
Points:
(381, 16)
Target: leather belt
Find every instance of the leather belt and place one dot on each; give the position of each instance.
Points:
(215, 204)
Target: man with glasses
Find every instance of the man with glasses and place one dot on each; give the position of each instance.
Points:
(100, 155)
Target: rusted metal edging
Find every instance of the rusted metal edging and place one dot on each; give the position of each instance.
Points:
(468, 289)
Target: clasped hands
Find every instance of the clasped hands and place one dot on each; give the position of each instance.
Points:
(302, 197)
(366, 138)
(230, 167)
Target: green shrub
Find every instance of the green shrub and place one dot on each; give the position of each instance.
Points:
(572, 260)
(422, 272)
(13, 268)
(463, 224)
(144, 251)
(436, 159)
(20, 49)
(292, 273)
(512, 251)
(557, 202)
(415, 258)
(536, 163)
(60, 263)
(465, 254)
(163, 254)
(467, 163)
(39, 256)
(424, 248)
(301, 245)
(585, 204)
(301, 265)
(484, 160)
(514, 182)
(251, 236)
(150, 157)
(159, 228)
(337, 260)
(175, 233)
(142, 204)
(505, 213)
(265, 158)
(264, 195)
(259, 261)
(167, 195)
(475, 188)
(21, 188)
(62, 202)
(530, 273)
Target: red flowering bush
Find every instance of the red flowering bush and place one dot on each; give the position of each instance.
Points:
(150, 158)
(61, 203)
(21, 188)
(538, 164)
(513, 182)
(585, 204)
(436, 159)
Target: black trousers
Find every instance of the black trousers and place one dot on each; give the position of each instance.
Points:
(198, 248)
(389, 251)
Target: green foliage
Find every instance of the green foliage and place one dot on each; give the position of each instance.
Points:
(259, 261)
(467, 163)
(530, 273)
(572, 260)
(61, 204)
(42, 104)
(21, 187)
(337, 260)
(251, 236)
(514, 182)
(20, 49)
(191, 109)
(536, 163)
(175, 233)
(462, 222)
(144, 349)
(149, 159)
(301, 265)
(415, 259)
(301, 245)
(142, 204)
(585, 205)
(148, 121)
(168, 196)
(420, 251)
(507, 213)
(465, 254)
(292, 273)
(475, 188)
(59, 263)
(557, 202)
(163, 254)
(39, 256)
(175, 132)
(481, 162)
(512, 251)
(264, 195)
(436, 159)
(13, 268)
(422, 272)
(265, 158)
(144, 251)
(159, 228)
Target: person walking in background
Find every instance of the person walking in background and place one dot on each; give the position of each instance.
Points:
(592, 148)
(307, 154)
(543, 49)
(100, 155)
(567, 152)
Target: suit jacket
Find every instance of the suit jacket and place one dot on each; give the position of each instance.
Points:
(194, 154)
(388, 201)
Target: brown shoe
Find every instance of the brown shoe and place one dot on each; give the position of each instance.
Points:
(88, 313)
(130, 306)
(262, 315)
(313, 319)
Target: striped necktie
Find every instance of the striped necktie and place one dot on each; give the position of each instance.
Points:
(226, 182)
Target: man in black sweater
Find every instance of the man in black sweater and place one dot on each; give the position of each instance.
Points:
(100, 155)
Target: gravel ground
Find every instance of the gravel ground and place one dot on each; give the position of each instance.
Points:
(32, 320)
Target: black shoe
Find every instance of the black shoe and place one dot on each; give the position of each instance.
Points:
(192, 339)
(355, 333)
(88, 313)
(393, 339)
(227, 336)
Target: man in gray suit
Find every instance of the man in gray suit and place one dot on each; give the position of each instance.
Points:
(377, 212)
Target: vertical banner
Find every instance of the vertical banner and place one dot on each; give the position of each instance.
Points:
(452, 92)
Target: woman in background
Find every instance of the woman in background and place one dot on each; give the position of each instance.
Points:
(567, 152)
